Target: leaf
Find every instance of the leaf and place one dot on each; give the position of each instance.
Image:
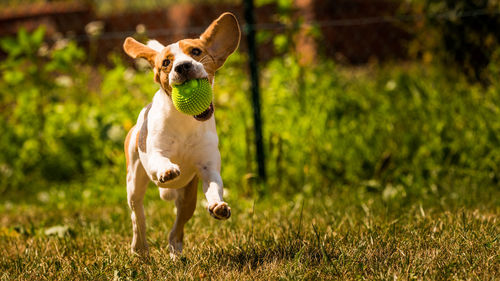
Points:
(10, 46)
(37, 36)
(23, 40)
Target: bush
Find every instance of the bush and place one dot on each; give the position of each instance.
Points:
(57, 125)
(462, 33)
(393, 127)
(402, 131)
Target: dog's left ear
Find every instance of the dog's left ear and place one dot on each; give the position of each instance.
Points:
(222, 38)
(136, 49)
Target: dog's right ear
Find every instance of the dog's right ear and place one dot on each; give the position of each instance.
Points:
(222, 38)
(138, 50)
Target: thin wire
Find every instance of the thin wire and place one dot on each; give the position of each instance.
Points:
(405, 18)
(448, 15)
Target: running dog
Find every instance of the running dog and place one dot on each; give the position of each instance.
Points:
(170, 148)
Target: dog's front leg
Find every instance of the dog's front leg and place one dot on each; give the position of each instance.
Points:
(162, 169)
(213, 188)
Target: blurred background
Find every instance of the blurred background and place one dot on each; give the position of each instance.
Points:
(399, 99)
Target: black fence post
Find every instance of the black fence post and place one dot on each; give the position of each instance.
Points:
(252, 63)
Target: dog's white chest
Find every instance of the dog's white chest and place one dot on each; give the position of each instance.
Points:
(186, 146)
(181, 151)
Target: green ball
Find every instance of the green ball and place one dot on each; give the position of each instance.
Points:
(193, 96)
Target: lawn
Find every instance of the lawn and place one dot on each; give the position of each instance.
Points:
(386, 171)
(345, 234)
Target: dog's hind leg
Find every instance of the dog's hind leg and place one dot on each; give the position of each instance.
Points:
(137, 181)
(185, 203)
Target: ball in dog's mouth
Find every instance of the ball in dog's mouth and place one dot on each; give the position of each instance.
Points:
(205, 115)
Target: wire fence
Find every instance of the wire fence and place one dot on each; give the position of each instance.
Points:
(350, 32)
(193, 30)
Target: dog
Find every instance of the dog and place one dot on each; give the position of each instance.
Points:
(170, 148)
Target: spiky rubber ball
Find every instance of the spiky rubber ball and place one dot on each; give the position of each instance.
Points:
(192, 97)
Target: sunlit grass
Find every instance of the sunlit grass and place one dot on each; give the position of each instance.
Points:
(342, 235)
(383, 172)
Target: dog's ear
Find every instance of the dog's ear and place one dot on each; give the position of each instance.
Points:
(138, 50)
(222, 38)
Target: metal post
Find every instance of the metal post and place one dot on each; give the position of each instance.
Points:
(252, 63)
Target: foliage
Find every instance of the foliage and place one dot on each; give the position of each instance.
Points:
(409, 128)
(401, 131)
(407, 131)
(56, 125)
(461, 32)
(382, 172)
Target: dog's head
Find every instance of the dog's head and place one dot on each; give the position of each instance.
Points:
(190, 58)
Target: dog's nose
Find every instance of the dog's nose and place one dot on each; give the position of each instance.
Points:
(183, 68)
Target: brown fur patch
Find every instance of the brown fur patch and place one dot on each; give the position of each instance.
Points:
(126, 145)
(161, 72)
(143, 133)
(137, 141)
(222, 38)
(187, 45)
(138, 50)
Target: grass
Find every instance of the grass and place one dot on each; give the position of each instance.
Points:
(385, 172)
(382, 172)
(349, 233)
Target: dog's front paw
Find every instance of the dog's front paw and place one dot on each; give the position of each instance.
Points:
(171, 173)
(220, 210)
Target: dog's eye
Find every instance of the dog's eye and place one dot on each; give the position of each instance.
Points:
(165, 63)
(195, 52)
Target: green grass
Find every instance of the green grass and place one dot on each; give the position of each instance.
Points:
(380, 172)
(345, 234)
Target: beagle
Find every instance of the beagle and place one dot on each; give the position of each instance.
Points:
(170, 148)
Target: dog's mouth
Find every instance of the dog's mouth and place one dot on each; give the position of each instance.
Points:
(205, 115)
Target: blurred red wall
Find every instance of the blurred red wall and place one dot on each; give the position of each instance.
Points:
(351, 43)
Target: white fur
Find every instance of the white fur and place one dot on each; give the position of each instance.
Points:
(178, 139)
(180, 58)
(155, 45)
